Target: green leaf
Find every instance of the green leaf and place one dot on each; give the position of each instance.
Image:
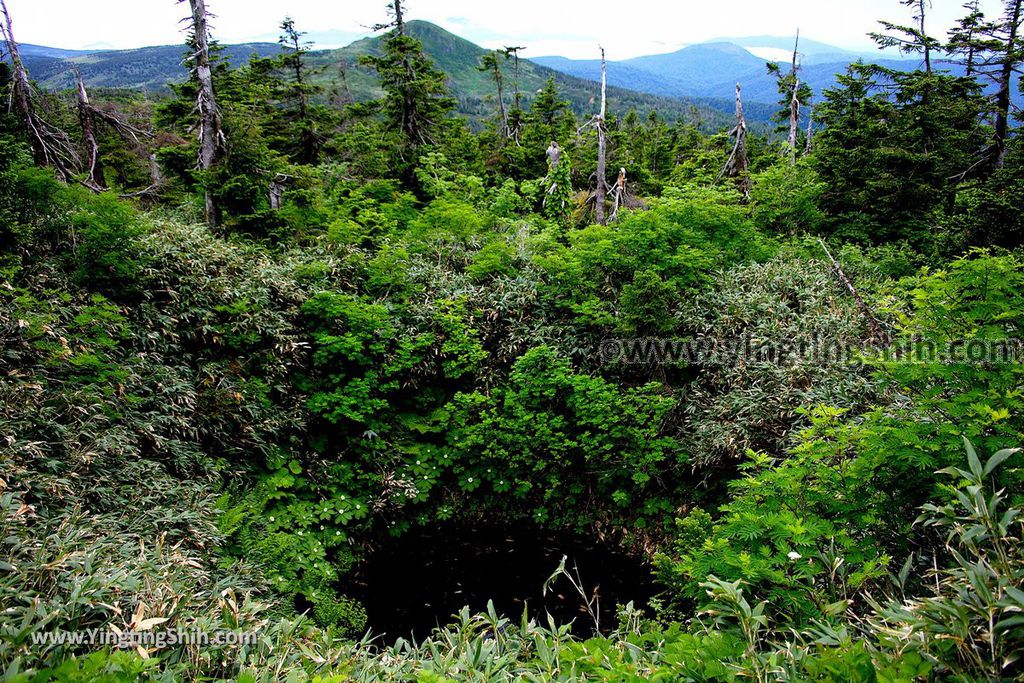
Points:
(972, 459)
(998, 459)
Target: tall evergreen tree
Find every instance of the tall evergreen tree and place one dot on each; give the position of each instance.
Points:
(966, 43)
(1003, 63)
(299, 93)
(892, 160)
(416, 98)
(490, 63)
(911, 39)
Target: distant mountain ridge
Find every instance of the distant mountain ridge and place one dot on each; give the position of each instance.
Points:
(711, 70)
(152, 68)
(694, 83)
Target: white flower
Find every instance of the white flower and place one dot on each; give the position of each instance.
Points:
(793, 555)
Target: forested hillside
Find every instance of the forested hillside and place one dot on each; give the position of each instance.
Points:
(308, 376)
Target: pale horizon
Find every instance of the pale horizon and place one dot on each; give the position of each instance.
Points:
(573, 30)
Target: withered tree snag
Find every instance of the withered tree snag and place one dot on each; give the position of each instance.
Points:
(622, 198)
(554, 155)
(50, 145)
(156, 177)
(344, 97)
(600, 193)
(602, 147)
(87, 119)
(211, 135)
(794, 102)
(275, 193)
(926, 44)
(738, 165)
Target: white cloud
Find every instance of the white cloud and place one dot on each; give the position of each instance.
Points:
(568, 27)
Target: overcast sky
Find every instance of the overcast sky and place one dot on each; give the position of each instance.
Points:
(547, 27)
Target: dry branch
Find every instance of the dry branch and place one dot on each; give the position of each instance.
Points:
(50, 145)
(878, 332)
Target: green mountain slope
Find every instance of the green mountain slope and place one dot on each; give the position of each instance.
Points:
(474, 89)
(146, 68)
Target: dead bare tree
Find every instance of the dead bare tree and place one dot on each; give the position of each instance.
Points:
(554, 155)
(602, 146)
(600, 193)
(87, 119)
(209, 124)
(50, 145)
(738, 165)
(156, 177)
(622, 198)
(794, 102)
(90, 116)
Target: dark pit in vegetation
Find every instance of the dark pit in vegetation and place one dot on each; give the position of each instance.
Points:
(416, 582)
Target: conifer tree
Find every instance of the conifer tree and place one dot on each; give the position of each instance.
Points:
(491, 63)
(299, 93)
(416, 99)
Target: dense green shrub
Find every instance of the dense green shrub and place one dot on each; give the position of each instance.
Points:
(850, 487)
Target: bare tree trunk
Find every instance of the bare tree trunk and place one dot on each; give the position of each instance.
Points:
(738, 165)
(211, 135)
(794, 103)
(276, 194)
(21, 87)
(50, 145)
(619, 195)
(1011, 58)
(156, 178)
(602, 147)
(399, 19)
(92, 147)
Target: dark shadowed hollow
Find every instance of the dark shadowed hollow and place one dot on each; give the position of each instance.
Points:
(416, 582)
